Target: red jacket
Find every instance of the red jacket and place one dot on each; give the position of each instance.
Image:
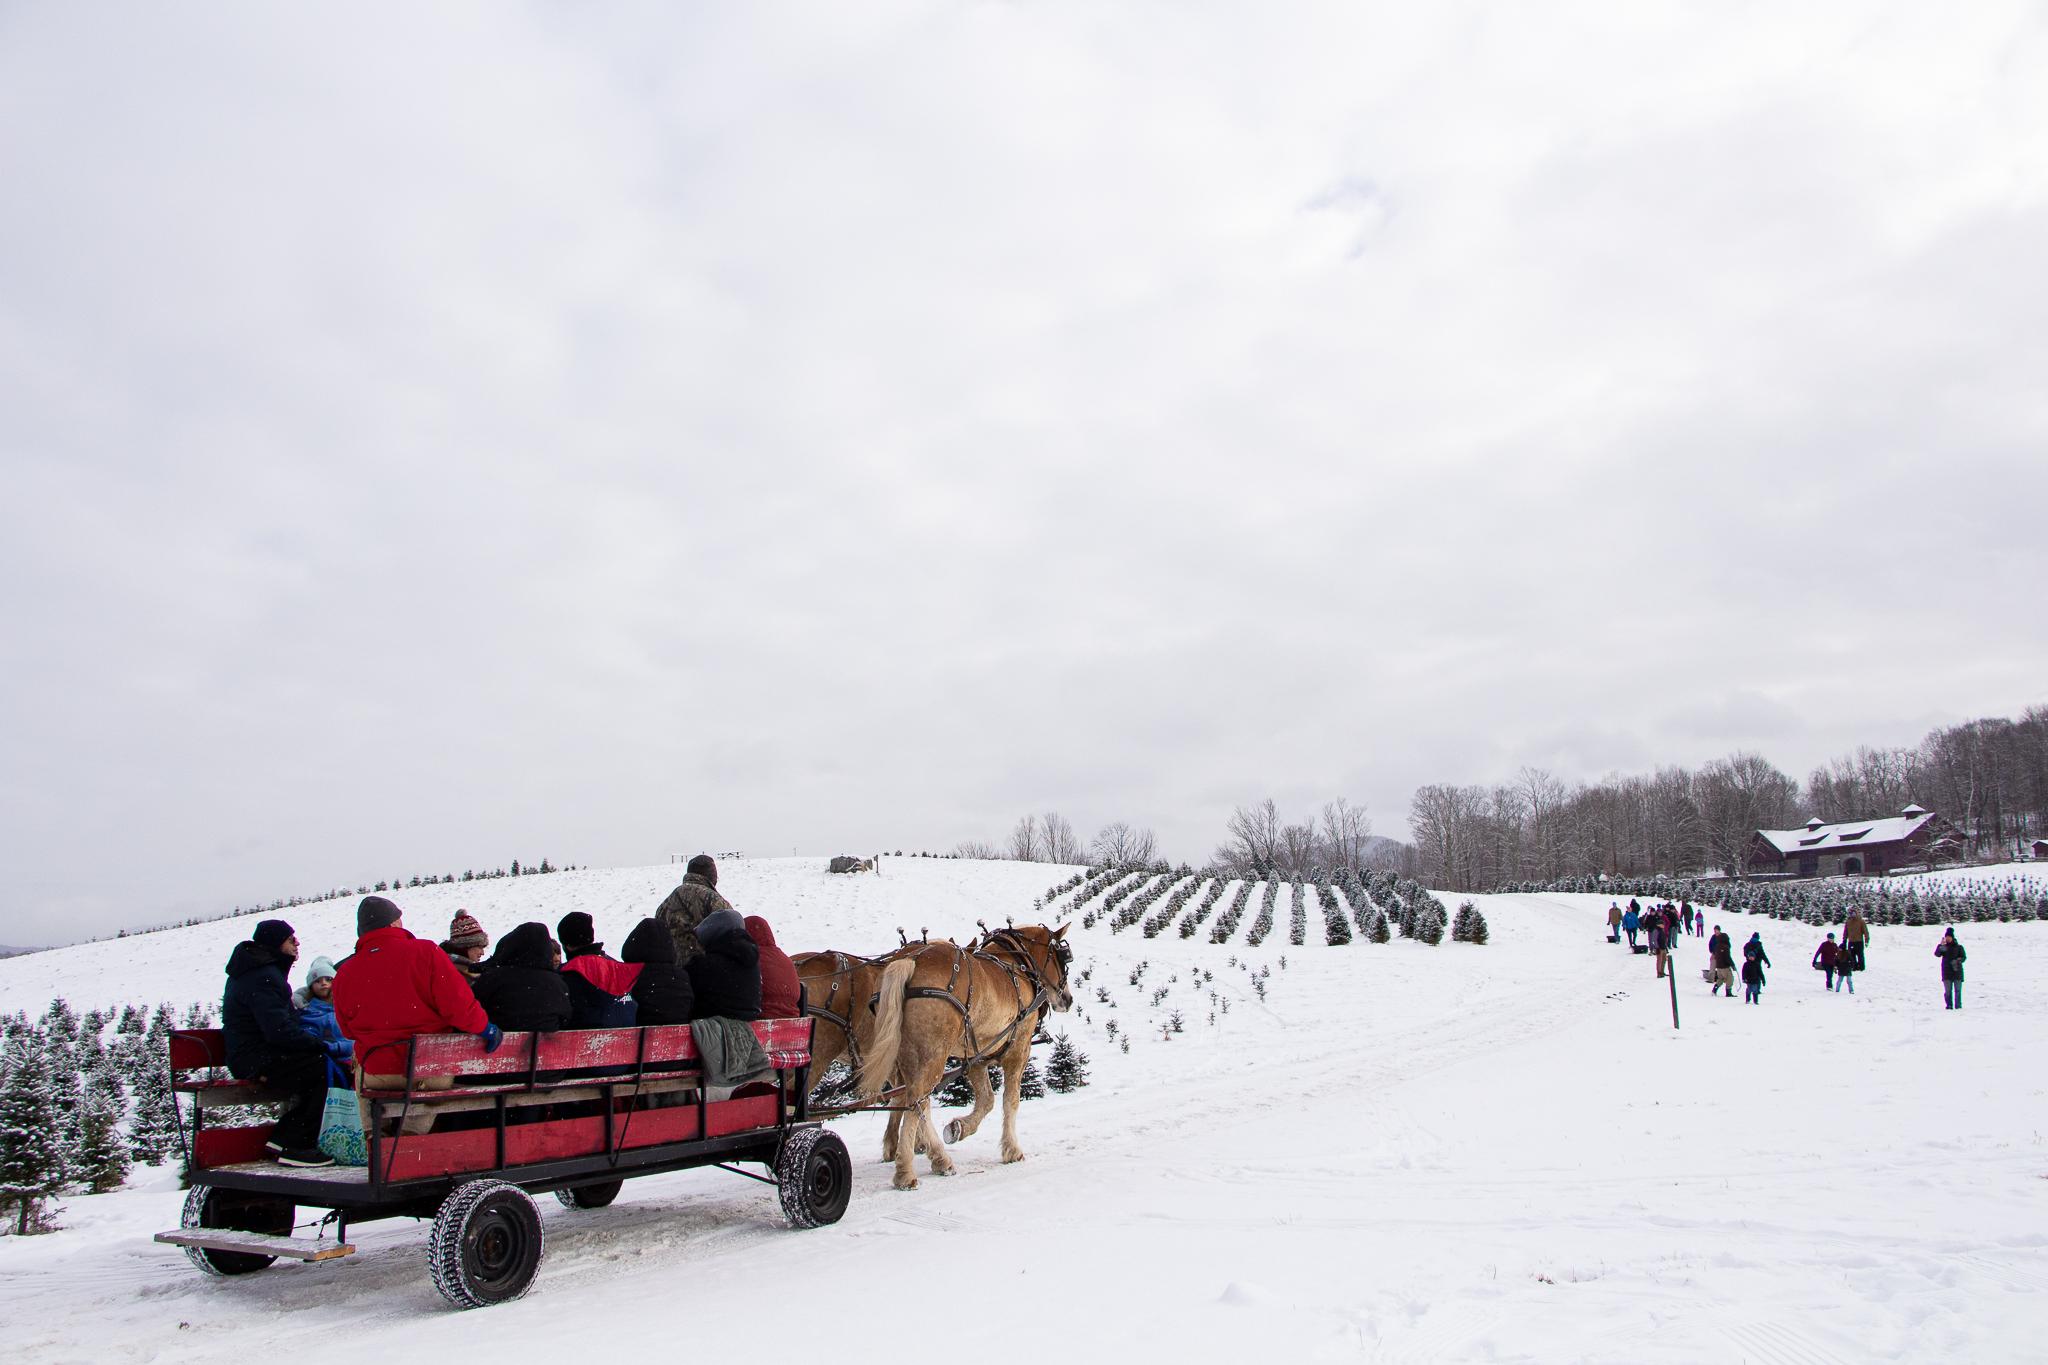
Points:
(607, 974)
(778, 973)
(396, 986)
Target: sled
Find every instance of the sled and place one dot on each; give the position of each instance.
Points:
(470, 1137)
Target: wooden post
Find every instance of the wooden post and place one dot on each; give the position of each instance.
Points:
(1672, 972)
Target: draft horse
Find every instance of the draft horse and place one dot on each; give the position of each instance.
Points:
(936, 1001)
(839, 990)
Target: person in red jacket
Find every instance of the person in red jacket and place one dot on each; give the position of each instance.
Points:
(779, 998)
(393, 988)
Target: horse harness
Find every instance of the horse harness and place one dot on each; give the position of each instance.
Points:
(1016, 963)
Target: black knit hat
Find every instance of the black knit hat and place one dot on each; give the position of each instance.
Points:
(703, 867)
(375, 913)
(576, 931)
(271, 933)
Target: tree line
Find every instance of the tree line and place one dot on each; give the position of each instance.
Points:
(1988, 777)
(1259, 844)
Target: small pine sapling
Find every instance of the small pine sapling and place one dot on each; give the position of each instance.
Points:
(1068, 1069)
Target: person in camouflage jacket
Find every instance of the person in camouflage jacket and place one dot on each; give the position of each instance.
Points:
(689, 903)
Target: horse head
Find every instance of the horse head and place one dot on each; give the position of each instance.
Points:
(1050, 956)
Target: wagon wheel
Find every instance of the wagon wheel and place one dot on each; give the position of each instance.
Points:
(486, 1245)
(594, 1196)
(234, 1211)
(815, 1177)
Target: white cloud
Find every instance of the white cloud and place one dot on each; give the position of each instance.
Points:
(604, 436)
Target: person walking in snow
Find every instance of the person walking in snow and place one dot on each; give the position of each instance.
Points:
(1614, 922)
(1721, 956)
(1951, 954)
(1753, 962)
(1845, 970)
(1855, 936)
(1631, 922)
(1659, 936)
(1824, 959)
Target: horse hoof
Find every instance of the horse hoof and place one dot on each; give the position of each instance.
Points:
(909, 1184)
(947, 1169)
(1011, 1156)
(953, 1133)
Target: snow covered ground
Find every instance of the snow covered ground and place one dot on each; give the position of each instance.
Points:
(1403, 1153)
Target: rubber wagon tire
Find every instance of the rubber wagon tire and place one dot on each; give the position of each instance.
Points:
(234, 1211)
(487, 1244)
(591, 1196)
(815, 1178)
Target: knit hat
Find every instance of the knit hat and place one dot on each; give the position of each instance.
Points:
(718, 924)
(702, 866)
(271, 933)
(375, 913)
(322, 969)
(465, 932)
(576, 931)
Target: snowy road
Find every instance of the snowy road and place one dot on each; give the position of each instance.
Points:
(1405, 1153)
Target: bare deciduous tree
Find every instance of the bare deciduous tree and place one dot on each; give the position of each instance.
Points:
(1123, 845)
(1027, 845)
(1062, 845)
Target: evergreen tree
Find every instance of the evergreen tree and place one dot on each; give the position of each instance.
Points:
(1477, 934)
(1068, 1069)
(1376, 930)
(102, 1155)
(30, 1168)
(957, 1093)
(153, 1132)
(1031, 1085)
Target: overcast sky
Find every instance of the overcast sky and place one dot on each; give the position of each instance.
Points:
(449, 434)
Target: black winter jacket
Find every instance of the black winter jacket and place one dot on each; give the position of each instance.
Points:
(591, 1005)
(663, 991)
(522, 992)
(257, 1020)
(726, 976)
(1951, 954)
(1719, 951)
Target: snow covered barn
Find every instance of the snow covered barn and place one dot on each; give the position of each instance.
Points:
(1915, 835)
(2040, 849)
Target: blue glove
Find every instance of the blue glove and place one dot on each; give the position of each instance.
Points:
(492, 1036)
(341, 1049)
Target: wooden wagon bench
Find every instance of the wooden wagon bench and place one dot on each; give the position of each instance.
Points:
(574, 1113)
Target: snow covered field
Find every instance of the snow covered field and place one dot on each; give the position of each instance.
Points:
(1403, 1153)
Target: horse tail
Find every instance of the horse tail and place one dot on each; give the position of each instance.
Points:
(880, 1062)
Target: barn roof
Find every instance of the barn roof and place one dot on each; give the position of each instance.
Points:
(1814, 837)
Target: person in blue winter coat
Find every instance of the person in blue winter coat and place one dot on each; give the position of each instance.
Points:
(1631, 920)
(315, 1003)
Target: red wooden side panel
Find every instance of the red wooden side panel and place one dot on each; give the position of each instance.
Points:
(230, 1146)
(192, 1049)
(462, 1054)
(652, 1127)
(735, 1116)
(415, 1156)
(451, 1054)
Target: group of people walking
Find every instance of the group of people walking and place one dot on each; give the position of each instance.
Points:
(694, 959)
(1838, 961)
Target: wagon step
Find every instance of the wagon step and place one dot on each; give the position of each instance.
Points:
(257, 1244)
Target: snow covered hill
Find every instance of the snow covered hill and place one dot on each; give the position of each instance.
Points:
(1400, 1152)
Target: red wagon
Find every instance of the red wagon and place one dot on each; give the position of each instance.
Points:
(475, 1135)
